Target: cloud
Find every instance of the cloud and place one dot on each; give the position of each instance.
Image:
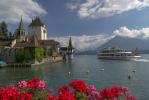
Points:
(84, 42)
(105, 8)
(142, 33)
(92, 42)
(12, 10)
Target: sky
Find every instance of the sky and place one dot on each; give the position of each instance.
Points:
(91, 23)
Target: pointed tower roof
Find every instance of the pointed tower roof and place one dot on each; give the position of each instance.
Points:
(21, 27)
(20, 31)
(36, 22)
(70, 43)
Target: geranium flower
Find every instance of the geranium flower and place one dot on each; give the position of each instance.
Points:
(116, 91)
(92, 93)
(91, 89)
(79, 86)
(65, 94)
(42, 85)
(82, 92)
(12, 93)
(106, 93)
(63, 90)
(36, 83)
(22, 84)
(25, 96)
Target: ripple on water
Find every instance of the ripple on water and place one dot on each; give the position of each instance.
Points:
(114, 73)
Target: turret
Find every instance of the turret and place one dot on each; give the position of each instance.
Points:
(20, 32)
(70, 48)
(37, 27)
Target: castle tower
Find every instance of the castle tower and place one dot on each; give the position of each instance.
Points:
(20, 32)
(70, 49)
(34, 41)
(38, 28)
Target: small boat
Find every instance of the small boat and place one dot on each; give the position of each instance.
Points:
(101, 69)
(134, 71)
(118, 54)
(3, 64)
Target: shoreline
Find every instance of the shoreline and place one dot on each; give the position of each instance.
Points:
(50, 60)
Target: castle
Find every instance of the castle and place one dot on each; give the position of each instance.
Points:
(34, 44)
(67, 52)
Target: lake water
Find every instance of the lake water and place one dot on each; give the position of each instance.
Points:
(115, 73)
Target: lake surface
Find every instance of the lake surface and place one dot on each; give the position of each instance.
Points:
(115, 73)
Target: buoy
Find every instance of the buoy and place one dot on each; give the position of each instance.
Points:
(87, 71)
(101, 69)
(134, 71)
(129, 77)
(69, 73)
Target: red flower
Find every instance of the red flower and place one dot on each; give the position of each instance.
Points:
(125, 90)
(79, 85)
(11, 93)
(82, 91)
(65, 94)
(36, 83)
(91, 90)
(130, 97)
(22, 84)
(63, 90)
(25, 96)
(50, 97)
(117, 91)
(106, 93)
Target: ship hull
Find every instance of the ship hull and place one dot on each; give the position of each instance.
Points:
(119, 58)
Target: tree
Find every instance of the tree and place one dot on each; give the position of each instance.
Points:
(39, 54)
(27, 55)
(3, 29)
(20, 56)
(50, 52)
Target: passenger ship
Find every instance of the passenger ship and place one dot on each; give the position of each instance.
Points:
(118, 54)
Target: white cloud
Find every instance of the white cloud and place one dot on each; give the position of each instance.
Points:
(105, 8)
(92, 42)
(12, 10)
(84, 42)
(142, 33)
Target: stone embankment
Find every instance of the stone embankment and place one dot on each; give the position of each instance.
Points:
(49, 60)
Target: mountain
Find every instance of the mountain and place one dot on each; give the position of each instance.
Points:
(127, 43)
(124, 43)
(89, 52)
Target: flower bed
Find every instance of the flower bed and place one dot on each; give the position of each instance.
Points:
(35, 89)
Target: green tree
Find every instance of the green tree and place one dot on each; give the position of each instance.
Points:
(46, 53)
(27, 55)
(39, 54)
(50, 52)
(23, 56)
(3, 29)
(20, 56)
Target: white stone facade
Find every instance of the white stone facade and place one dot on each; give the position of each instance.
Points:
(40, 31)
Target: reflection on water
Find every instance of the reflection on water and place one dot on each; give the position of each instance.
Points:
(88, 68)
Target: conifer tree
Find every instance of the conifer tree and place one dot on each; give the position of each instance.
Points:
(3, 29)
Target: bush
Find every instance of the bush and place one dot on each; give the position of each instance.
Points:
(39, 54)
(23, 56)
(20, 56)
